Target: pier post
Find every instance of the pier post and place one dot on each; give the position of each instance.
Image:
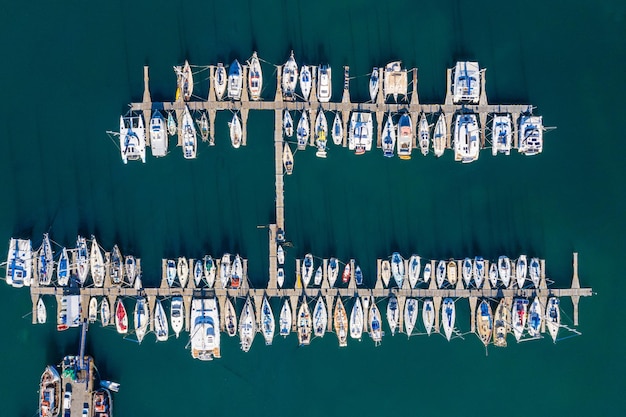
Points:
(415, 101)
(448, 100)
(472, 303)
(329, 307)
(575, 285)
(147, 103)
(482, 100)
(345, 98)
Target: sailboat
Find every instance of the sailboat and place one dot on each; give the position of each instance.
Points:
(427, 272)
(389, 137)
(203, 123)
(307, 269)
(337, 130)
(182, 269)
(535, 318)
(521, 271)
(42, 314)
(440, 136)
(46, 261)
(82, 259)
(397, 268)
(280, 277)
(423, 132)
(466, 271)
(177, 315)
(530, 140)
(285, 319)
(324, 83)
(479, 271)
(358, 275)
(428, 315)
(448, 316)
(501, 135)
(235, 131)
(158, 134)
(410, 315)
(161, 329)
(63, 268)
(190, 142)
(452, 272)
(117, 267)
(92, 312)
(280, 255)
(535, 272)
(132, 139)
(289, 78)
(375, 325)
(288, 159)
(385, 272)
(288, 124)
(317, 279)
(304, 324)
(356, 319)
(105, 312)
(519, 315)
(305, 82)
(170, 272)
(340, 321)
(414, 269)
(235, 80)
(172, 128)
(553, 317)
(405, 136)
(141, 318)
(440, 273)
(186, 81)
(121, 318)
(247, 325)
(236, 274)
(504, 270)
(347, 271)
(220, 81)
(230, 318)
(493, 274)
(321, 134)
(267, 321)
(502, 322)
(466, 138)
(333, 271)
(255, 77)
(374, 84)
(320, 318)
(302, 133)
(197, 272)
(393, 314)
(209, 270)
(225, 270)
(97, 263)
(484, 322)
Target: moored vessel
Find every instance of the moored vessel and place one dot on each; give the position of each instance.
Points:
(340, 321)
(393, 314)
(289, 78)
(389, 137)
(177, 314)
(267, 321)
(302, 133)
(356, 319)
(158, 134)
(247, 325)
(255, 77)
(440, 135)
(320, 318)
(448, 316)
(204, 333)
(324, 83)
(484, 322)
(236, 131)
(235, 81)
(285, 319)
(405, 136)
(304, 324)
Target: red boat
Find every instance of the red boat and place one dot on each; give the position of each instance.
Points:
(345, 277)
(121, 318)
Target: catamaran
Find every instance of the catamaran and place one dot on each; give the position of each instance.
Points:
(393, 314)
(225, 270)
(466, 83)
(324, 84)
(235, 131)
(535, 271)
(389, 137)
(521, 271)
(182, 270)
(484, 322)
(340, 322)
(553, 317)
(230, 318)
(395, 80)
(440, 135)
(504, 270)
(141, 318)
(423, 132)
(161, 329)
(204, 334)
(356, 319)
(534, 318)
(289, 78)
(220, 81)
(321, 134)
(414, 269)
(405, 136)
(361, 132)
(448, 315)
(307, 269)
(502, 322)
(397, 268)
(190, 142)
(105, 312)
(288, 124)
(285, 319)
(247, 325)
(410, 315)
(235, 81)
(501, 135)
(320, 318)
(63, 268)
(121, 318)
(45, 261)
(333, 271)
(177, 315)
(530, 140)
(97, 263)
(288, 159)
(519, 315)
(49, 393)
(305, 82)
(428, 315)
(267, 321)
(304, 324)
(466, 138)
(337, 131)
(374, 84)
(209, 270)
(236, 272)
(375, 325)
(255, 77)
(158, 134)
(466, 271)
(132, 138)
(302, 133)
(82, 259)
(117, 267)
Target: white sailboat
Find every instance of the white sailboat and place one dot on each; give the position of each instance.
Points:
(307, 269)
(247, 326)
(320, 318)
(141, 318)
(302, 133)
(410, 315)
(255, 77)
(305, 82)
(389, 137)
(340, 322)
(117, 267)
(317, 279)
(280, 277)
(92, 312)
(235, 80)
(333, 271)
(161, 328)
(535, 272)
(393, 314)
(285, 319)
(415, 263)
(182, 270)
(82, 259)
(304, 324)
(440, 136)
(553, 317)
(397, 268)
(519, 315)
(209, 270)
(423, 132)
(337, 130)
(493, 274)
(504, 270)
(197, 272)
(235, 131)
(521, 271)
(42, 314)
(385, 272)
(448, 316)
(203, 124)
(190, 141)
(225, 270)
(324, 83)
(441, 273)
(427, 272)
(220, 81)
(158, 134)
(535, 318)
(170, 272)
(177, 315)
(405, 136)
(374, 84)
(230, 318)
(267, 321)
(530, 140)
(479, 271)
(172, 128)
(321, 134)
(185, 78)
(375, 324)
(105, 312)
(466, 271)
(288, 159)
(287, 124)
(289, 78)
(428, 315)
(97, 263)
(63, 268)
(356, 319)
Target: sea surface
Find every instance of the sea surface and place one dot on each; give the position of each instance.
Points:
(69, 70)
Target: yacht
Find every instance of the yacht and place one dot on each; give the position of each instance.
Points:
(304, 324)
(182, 270)
(466, 271)
(358, 275)
(361, 132)
(397, 268)
(502, 322)
(393, 314)
(375, 325)
(302, 133)
(440, 273)
(414, 269)
(405, 136)
(340, 322)
(177, 314)
(484, 322)
(466, 138)
(448, 315)
(333, 271)
(203, 124)
(288, 124)
(132, 138)
(117, 267)
(185, 78)
(321, 134)
(534, 318)
(427, 272)
(49, 393)
(209, 270)
(63, 268)
(324, 84)
(410, 315)
(320, 318)
(235, 131)
(97, 263)
(530, 140)
(280, 255)
(221, 79)
(479, 271)
(501, 135)
(389, 137)
(504, 270)
(289, 79)
(307, 269)
(493, 274)
(92, 312)
(280, 277)
(235, 81)
(170, 272)
(44, 261)
(172, 128)
(82, 259)
(337, 132)
(42, 314)
(236, 274)
(347, 271)
(521, 271)
(158, 134)
(267, 321)
(161, 328)
(255, 77)
(374, 84)
(395, 80)
(204, 333)
(466, 83)
(385, 272)
(423, 132)
(141, 318)
(356, 319)
(305, 82)
(317, 279)
(247, 325)
(519, 315)
(102, 402)
(190, 142)
(440, 135)
(197, 272)
(105, 312)
(285, 319)
(121, 318)
(428, 315)
(553, 317)
(535, 272)
(230, 318)
(288, 159)
(225, 270)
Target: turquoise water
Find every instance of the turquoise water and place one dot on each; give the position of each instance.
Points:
(70, 70)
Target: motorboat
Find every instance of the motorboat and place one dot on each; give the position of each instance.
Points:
(172, 127)
(306, 82)
(141, 318)
(428, 315)
(117, 266)
(49, 393)
(466, 83)
(307, 269)
(478, 271)
(448, 315)
(440, 135)
(304, 324)
(321, 134)
(519, 315)
(466, 138)
(374, 84)
(389, 137)
(361, 132)
(45, 261)
(267, 322)
(92, 311)
(393, 314)
(230, 318)
(504, 270)
(337, 130)
(197, 272)
(317, 279)
(375, 325)
(97, 263)
(255, 77)
(225, 270)
(347, 273)
(423, 132)
(236, 274)
(340, 322)
(221, 80)
(521, 271)
(501, 134)
(63, 269)
(42, 314)
(280, 255)
(170, 272)
(535, 318)
(356, 319)
(410, 315)
(484, 322)
(553, 317)
(280, 277)
(502, 322)
(324, 84)
(493, 274)
(405, 136)
(204, 333)
(186, 81)
(102, 403)
(535, 272)
(190, 141)
(530, 140)
(177, 315)
(289, 78)
(395, 80)
(235, 81)
(466, 271)
(121, 318)
(105, 312)
(320, 318)
(333, 271)
(288, 159)
(358, 275)
(236, 132)
(247, 325)
(440, 273)
(287, 124)
(203, 124)
(209, 270)
(284, 321)
(397, 268)
(414, 269)
(132, 138)
(158, 134)
(303, 131)
(82, 260)
(182, 270)
(161, 328)
(385, 272)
